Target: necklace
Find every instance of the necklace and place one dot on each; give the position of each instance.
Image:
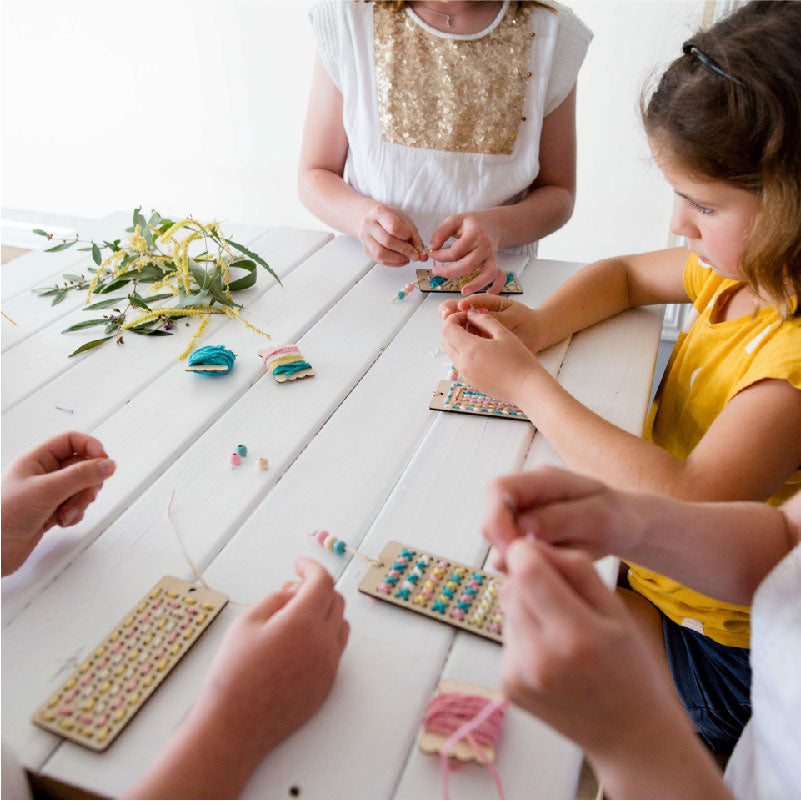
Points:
(448, 16)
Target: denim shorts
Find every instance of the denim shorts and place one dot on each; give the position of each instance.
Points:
(714, 683)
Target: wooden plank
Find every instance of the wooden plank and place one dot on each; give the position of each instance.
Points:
(608, 367)
(44, 377)
(37, 267)
(32, 313)
(212, 499)
(349, 469)
(171, 422)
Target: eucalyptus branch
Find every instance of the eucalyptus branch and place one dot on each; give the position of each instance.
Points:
(157, 254)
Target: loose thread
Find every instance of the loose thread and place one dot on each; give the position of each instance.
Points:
(188, 558)
(473, 718)
(9, 319)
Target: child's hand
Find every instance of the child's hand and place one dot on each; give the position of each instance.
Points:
(390, 237)
(559, 507)
(493, 360)
(51, 485)
(273, 670)
(475, 248)
(522, 321)
(277, 663)
(573, 657)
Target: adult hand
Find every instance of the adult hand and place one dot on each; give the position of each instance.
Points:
(474, 250)
(390, 237)
(518, 318)
(573, 657)
(277, 663)
(563, 508)
(493, 359)
(51, 485)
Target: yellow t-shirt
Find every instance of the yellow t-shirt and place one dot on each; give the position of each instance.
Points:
(709, 365)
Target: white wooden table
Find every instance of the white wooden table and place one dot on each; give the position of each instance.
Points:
(354, 450)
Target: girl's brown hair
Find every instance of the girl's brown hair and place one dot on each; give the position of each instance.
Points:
(729, 109)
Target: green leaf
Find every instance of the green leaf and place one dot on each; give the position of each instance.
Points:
(96, 254)
(105, 304)
(138, 301)
(221, 297)
(155, 298)
(255, 256)
(201, 276)
(73, 277)
(62, 246)
(113, 286)
(60, 295)
(85, 324)
(246, 281)
(40, 232)
(83, 250)
(192, 299)
(143, 328)
(44, 291)
(89, 345)
(158, 332)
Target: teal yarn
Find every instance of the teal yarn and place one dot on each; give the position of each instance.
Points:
(291, 368)
(439, 280)
(213, 354)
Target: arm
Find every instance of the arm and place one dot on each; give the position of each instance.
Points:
(733, 545)
(724, 465)
(389, 236)
(573, 658)
(274, 669)
(599, 291)
(52, 485)
(481, 233)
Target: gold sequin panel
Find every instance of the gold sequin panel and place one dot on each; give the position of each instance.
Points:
(462, 95)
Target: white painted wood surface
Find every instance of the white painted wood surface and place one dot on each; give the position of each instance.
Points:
(355, 450)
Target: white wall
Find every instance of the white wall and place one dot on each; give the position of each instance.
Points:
(197, 106)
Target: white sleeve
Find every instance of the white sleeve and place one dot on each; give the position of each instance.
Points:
(327, 28)
(572, 40)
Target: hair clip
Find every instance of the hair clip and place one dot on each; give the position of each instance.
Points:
(690, 49)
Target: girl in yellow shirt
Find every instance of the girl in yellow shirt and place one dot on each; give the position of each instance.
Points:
(726, 424)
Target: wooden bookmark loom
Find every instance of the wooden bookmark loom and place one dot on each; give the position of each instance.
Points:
(116, 679)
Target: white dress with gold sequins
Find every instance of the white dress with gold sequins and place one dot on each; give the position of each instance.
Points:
(441, 123)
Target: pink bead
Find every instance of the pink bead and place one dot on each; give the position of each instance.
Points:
(320, 537)
(235, 459)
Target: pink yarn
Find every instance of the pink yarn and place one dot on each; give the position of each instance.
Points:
(272, 354)
(473, 718)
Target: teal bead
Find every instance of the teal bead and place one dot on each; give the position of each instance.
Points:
(339, 547)
(242, 450)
